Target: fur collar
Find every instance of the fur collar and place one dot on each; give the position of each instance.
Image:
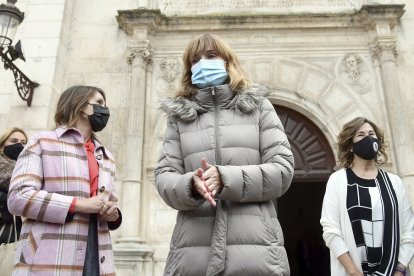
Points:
(187, 109)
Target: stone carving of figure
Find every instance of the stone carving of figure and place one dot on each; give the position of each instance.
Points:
(352, 65)
(171, 69)
(354, 72)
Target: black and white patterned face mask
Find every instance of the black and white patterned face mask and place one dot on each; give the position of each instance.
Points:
(366, 148)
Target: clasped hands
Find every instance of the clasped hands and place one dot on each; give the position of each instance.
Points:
(98, 204)
(207, 181)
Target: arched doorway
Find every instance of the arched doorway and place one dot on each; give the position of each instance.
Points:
(300, 208)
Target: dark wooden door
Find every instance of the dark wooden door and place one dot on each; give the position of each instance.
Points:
(299, 208)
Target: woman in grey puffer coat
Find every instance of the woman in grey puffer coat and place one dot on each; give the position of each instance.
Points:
(225, 158)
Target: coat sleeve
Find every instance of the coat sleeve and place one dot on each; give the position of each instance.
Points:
(270, 179)
(331, 219)
(26, 197)
(407, 227)
(173, 184)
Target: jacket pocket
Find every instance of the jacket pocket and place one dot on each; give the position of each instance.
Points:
(30, 245)
(274, 230)
(269, 231)
(280, 265)
(177, 230)
(277, 231)
(171, 264)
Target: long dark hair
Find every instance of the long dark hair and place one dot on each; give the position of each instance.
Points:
(72, 101)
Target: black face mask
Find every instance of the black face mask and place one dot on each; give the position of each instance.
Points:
(99, 118)
(13, 151)
(366, 148)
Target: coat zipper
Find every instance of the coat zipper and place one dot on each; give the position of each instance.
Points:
(220, 224)
(217, 154)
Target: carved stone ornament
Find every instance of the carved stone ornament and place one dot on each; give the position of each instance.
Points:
(385, 51)
(141, 50)
(171, 69)
(191, 7)
(363, 18)
(128, 20)
(354, 71)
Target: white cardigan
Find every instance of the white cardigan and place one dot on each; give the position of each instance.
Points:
(337, 229)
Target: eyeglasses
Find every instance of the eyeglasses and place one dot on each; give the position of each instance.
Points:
(92, 104)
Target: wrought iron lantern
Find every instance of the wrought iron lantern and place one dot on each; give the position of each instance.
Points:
(10, 19)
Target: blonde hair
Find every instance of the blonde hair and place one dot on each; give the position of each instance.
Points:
(72, 101)
(199, 44)
(8, 132)
(345, 144)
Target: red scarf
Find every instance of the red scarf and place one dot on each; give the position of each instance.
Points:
(93, 166)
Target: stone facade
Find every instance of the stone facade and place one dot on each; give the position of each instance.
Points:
(328, 60)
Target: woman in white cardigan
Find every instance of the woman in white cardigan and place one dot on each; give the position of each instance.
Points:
(367, 220)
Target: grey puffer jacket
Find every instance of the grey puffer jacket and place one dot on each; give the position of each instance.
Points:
(241, 134)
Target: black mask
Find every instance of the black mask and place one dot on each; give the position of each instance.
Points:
(366, 148)
(99, 118)
(13, 151)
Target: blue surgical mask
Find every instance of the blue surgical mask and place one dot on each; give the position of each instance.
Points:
(208, 72)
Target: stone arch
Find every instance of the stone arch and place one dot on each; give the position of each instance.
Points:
(320, 95)
(314, 158)
(324, 120)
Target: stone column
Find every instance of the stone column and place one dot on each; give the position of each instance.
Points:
(385, 52)
(383, 21)
(132, 254)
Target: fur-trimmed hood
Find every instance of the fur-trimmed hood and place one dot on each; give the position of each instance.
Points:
(243, 102)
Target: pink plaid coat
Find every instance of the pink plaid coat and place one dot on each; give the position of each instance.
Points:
(51, 170)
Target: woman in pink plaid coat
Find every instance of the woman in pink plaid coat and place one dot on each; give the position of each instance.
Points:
(63, 185)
